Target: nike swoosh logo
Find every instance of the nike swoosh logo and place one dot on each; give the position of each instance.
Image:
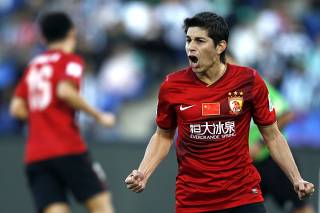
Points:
(184, 108)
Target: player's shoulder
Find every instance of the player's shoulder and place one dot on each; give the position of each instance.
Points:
(244, 73)
(73, 65)
(45, 58)
(177, 76)
(60, 62)
(55, 56)
(72, 58)
(245, 70)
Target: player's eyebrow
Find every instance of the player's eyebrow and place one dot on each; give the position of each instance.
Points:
(196, 38)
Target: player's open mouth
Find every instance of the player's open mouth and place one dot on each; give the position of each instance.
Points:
(193, 60)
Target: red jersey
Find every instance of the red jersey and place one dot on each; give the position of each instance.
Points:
(52, 128)
(215, 170)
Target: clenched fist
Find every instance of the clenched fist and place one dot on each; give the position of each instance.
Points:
(136, 181)
(304, 189)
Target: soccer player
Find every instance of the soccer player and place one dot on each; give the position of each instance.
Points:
(56, 157)
(273, 180)
(211, 103)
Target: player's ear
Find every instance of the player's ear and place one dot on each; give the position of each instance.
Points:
(221, 46)
(73, 32)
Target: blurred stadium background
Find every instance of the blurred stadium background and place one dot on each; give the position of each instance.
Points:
(129, 46)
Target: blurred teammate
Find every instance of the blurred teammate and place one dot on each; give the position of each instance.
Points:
(56, 157)
(273, 180)
(212, 103)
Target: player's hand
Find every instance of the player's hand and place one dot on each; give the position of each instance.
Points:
(106, 119)
(304, 189)
(135, 181)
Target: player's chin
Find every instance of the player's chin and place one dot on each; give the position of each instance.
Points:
(197, 69)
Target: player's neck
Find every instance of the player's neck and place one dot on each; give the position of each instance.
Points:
(213, 74)
(60, 46)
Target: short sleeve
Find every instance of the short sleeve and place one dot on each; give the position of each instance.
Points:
(21, 89)
(73, 70)
(166, 115)
(263, 110)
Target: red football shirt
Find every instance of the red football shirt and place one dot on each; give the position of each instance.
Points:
(52, 128)
(215, 170)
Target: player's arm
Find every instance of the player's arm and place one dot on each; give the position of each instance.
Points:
(18, 108)
(157, 149)
(255, 140)
(281, 154)
(67, 92)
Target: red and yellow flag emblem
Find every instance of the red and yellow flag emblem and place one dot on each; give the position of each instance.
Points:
(210, 109)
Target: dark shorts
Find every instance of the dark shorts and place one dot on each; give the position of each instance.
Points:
(51, 180)
(276, 184)
(249, 208)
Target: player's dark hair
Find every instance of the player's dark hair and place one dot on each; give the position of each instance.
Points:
(55, 26)
(216, 26)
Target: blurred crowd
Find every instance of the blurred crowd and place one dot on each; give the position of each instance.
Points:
(129, 46)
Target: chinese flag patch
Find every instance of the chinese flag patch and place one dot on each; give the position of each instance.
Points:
(210, 109)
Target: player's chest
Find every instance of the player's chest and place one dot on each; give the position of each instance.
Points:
(209, 102)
